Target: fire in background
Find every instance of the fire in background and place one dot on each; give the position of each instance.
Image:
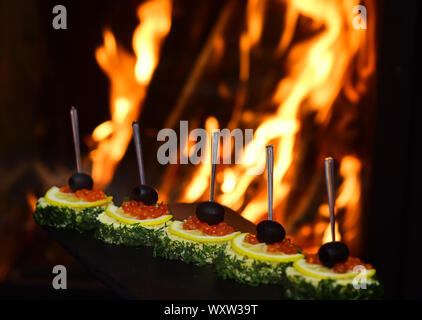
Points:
(301, 84)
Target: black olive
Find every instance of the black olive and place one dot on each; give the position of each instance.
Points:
(80, 181)
(145, 194)
(210, 212)
(332, 253)
(270, 231)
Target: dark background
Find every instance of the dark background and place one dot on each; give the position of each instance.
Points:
(44, 71)
(395, 221)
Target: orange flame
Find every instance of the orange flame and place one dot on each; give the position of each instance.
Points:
(334, 58)
(349, 197)
(202, 174)
(327, 234)
(250, 37)
(31, 199)
(129, 77)
(317, 70)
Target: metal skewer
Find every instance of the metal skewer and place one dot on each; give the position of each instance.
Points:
(270, 167)
(329, 179)
(214, 152)
(137, 140)
(75, 129)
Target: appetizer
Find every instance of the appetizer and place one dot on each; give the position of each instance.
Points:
(262, 258)
(196, 239)
(72, 208)
(199, 238)
(331, 273)
(77, 205)
(139, 220)
(136, 222)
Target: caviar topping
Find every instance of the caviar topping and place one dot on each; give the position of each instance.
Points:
(141, 211)
(342, 267)
(217, 230)
(286, 246)
(85, 194)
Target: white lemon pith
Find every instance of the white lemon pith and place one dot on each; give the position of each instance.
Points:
(321, 272)
(118, 214)
(176, 228)
(62, 199)
(259, 251)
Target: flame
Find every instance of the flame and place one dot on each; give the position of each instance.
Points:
(155, 17)
(315, 75)
(349, 197)
(336, 59)
(202, 174)
(129, 77)
(327, 233)
(31, 199)
(229, 181)
(250, 37)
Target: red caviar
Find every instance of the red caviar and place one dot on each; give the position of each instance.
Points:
(141, 211)
(218, 230)
(286, 246)
(90, 195)
(342, 267)
(85, 194)
(251, 239)
(313, 258)
(66, 189)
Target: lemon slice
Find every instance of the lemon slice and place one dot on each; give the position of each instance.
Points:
(259, 251)
(322, 272)
(176, 228)
(118, 214)
(62, 199)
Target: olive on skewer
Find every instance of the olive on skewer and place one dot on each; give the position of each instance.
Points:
(76, 205)
(79, 181)
(135, 222)
(145, 194)
(210, 211)
(200, 237)
(142, 193)
(270, 231)
(261, 258)
(331, 273)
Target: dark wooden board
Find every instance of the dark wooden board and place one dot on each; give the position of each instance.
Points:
(134, 273)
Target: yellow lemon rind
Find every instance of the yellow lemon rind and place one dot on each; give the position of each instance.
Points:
(50, 198)
(262, 256)
(146, 222)
(300, 266)
(175, 229)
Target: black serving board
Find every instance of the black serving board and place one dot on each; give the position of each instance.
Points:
(134, 273)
